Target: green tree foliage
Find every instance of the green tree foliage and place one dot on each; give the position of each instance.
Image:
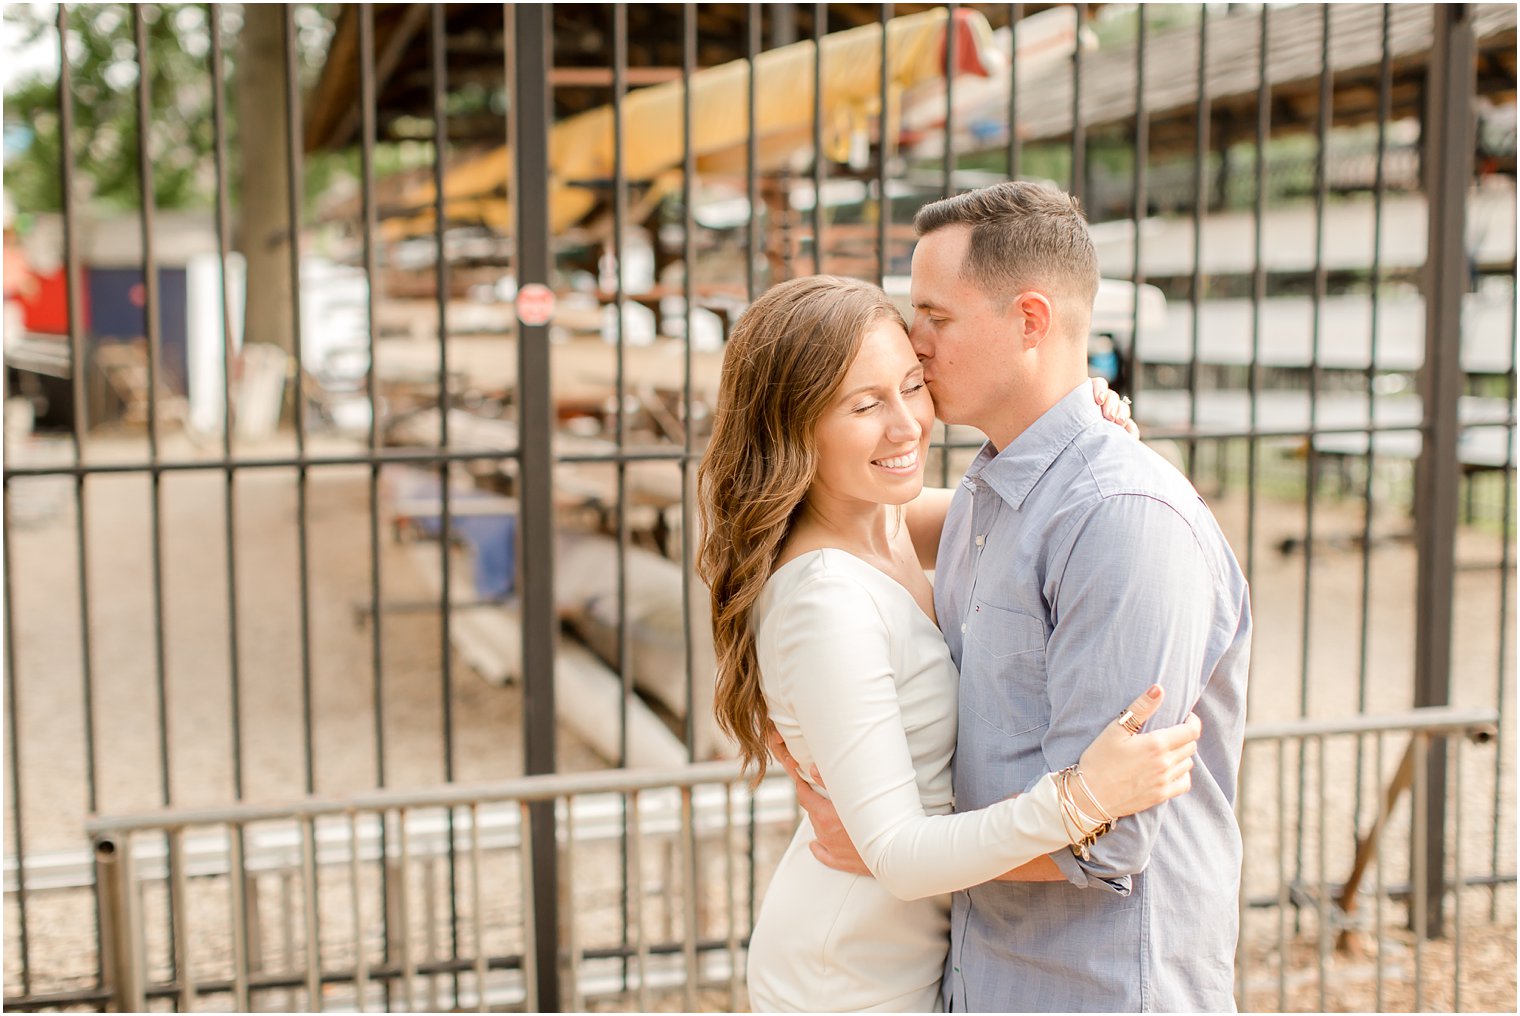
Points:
(103, 60)
(104, 65)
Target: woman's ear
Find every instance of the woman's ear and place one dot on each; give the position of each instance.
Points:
(1035, 317)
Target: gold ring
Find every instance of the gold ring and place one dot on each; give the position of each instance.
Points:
(1129, 721)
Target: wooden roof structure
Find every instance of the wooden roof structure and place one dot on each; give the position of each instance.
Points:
(475, 58)
(1233, 73)
(475, 54)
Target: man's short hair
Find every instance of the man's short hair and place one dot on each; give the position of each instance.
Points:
(1023, 236)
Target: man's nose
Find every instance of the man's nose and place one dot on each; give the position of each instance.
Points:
(918, 339)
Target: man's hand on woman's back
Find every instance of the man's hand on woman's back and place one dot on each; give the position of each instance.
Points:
(831, 845)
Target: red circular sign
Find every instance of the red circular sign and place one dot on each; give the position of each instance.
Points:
(535, 304)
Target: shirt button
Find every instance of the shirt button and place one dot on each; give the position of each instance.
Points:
(963, 629)
(981, 539)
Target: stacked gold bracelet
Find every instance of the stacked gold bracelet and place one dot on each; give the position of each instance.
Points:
(1081, 829)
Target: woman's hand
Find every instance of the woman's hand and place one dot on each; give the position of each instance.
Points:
(1115, 407)
(1128, 772)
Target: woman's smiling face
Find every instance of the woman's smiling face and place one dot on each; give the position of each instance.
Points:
(874, 436)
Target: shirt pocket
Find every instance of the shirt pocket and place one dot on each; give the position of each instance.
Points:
(1003, 680)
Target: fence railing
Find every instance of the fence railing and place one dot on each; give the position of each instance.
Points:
(286, 904)
(1337, 904)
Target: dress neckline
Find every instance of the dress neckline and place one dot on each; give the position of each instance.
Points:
(867, 565)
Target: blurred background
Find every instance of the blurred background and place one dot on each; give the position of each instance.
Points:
(358, 359)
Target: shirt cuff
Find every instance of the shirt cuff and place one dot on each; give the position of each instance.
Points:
(1080, 877)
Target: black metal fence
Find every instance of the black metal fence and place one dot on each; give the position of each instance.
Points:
(1363, 467)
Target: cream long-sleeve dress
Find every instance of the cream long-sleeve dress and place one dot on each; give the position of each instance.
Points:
(859, 682)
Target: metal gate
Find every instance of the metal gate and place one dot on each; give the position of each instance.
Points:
(227, 626)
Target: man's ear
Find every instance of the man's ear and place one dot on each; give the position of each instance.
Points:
(1036, 317)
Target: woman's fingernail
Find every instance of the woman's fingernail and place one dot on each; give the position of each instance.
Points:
(1154, 692)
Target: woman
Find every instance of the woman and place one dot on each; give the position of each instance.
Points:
(817, 532)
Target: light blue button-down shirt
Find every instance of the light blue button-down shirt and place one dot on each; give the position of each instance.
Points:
(1076, 567)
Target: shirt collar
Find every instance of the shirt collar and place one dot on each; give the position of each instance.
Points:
(1014, 471)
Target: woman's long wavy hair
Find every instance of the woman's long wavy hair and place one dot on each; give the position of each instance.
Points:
(785, 360)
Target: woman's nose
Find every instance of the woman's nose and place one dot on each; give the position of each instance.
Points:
(904, 425)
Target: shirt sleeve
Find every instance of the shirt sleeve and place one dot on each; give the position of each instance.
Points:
(1133, 558)
(838, 679)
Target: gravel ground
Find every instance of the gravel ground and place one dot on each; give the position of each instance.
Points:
(49, 682)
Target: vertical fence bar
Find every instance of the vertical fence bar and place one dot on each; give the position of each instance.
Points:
(1506, 565)
(1380, 894)
(429, 873)
(689, 889)
(294, 181)
(535, 986)
(287, 931)
(1078, 132)
(1015, 147)
(295, 177)
(1322, 891)
(1311, 461)
(404, 914)
(1200, 210)
(1317, 301)
(620, 382)
(237, 873)
(229, 495)
(620, 420)
(947, 168)
(361, 962)
(636, 894)
(229, 364)
(572, 927)
(179, 891)
(883, 146)
(1379, 192)
(1138, 202)
(1446, 163)
(477, 917)
(820, 29)
(75, 297)
(13, 756)
(370, 226)
(1458, 744)
(1258, 285)
(438, 91)
(312, 953)
(74, 287)
(731, 902)
(1283, 899)
(689, 514)
(152, 311)
(688, 423)
(951, 57)
(751, 177)
(752, 24)
(1420, 857)
(1243, 908)
(116, 881)
(532, 57)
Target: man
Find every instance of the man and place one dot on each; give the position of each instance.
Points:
(1075, 567)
